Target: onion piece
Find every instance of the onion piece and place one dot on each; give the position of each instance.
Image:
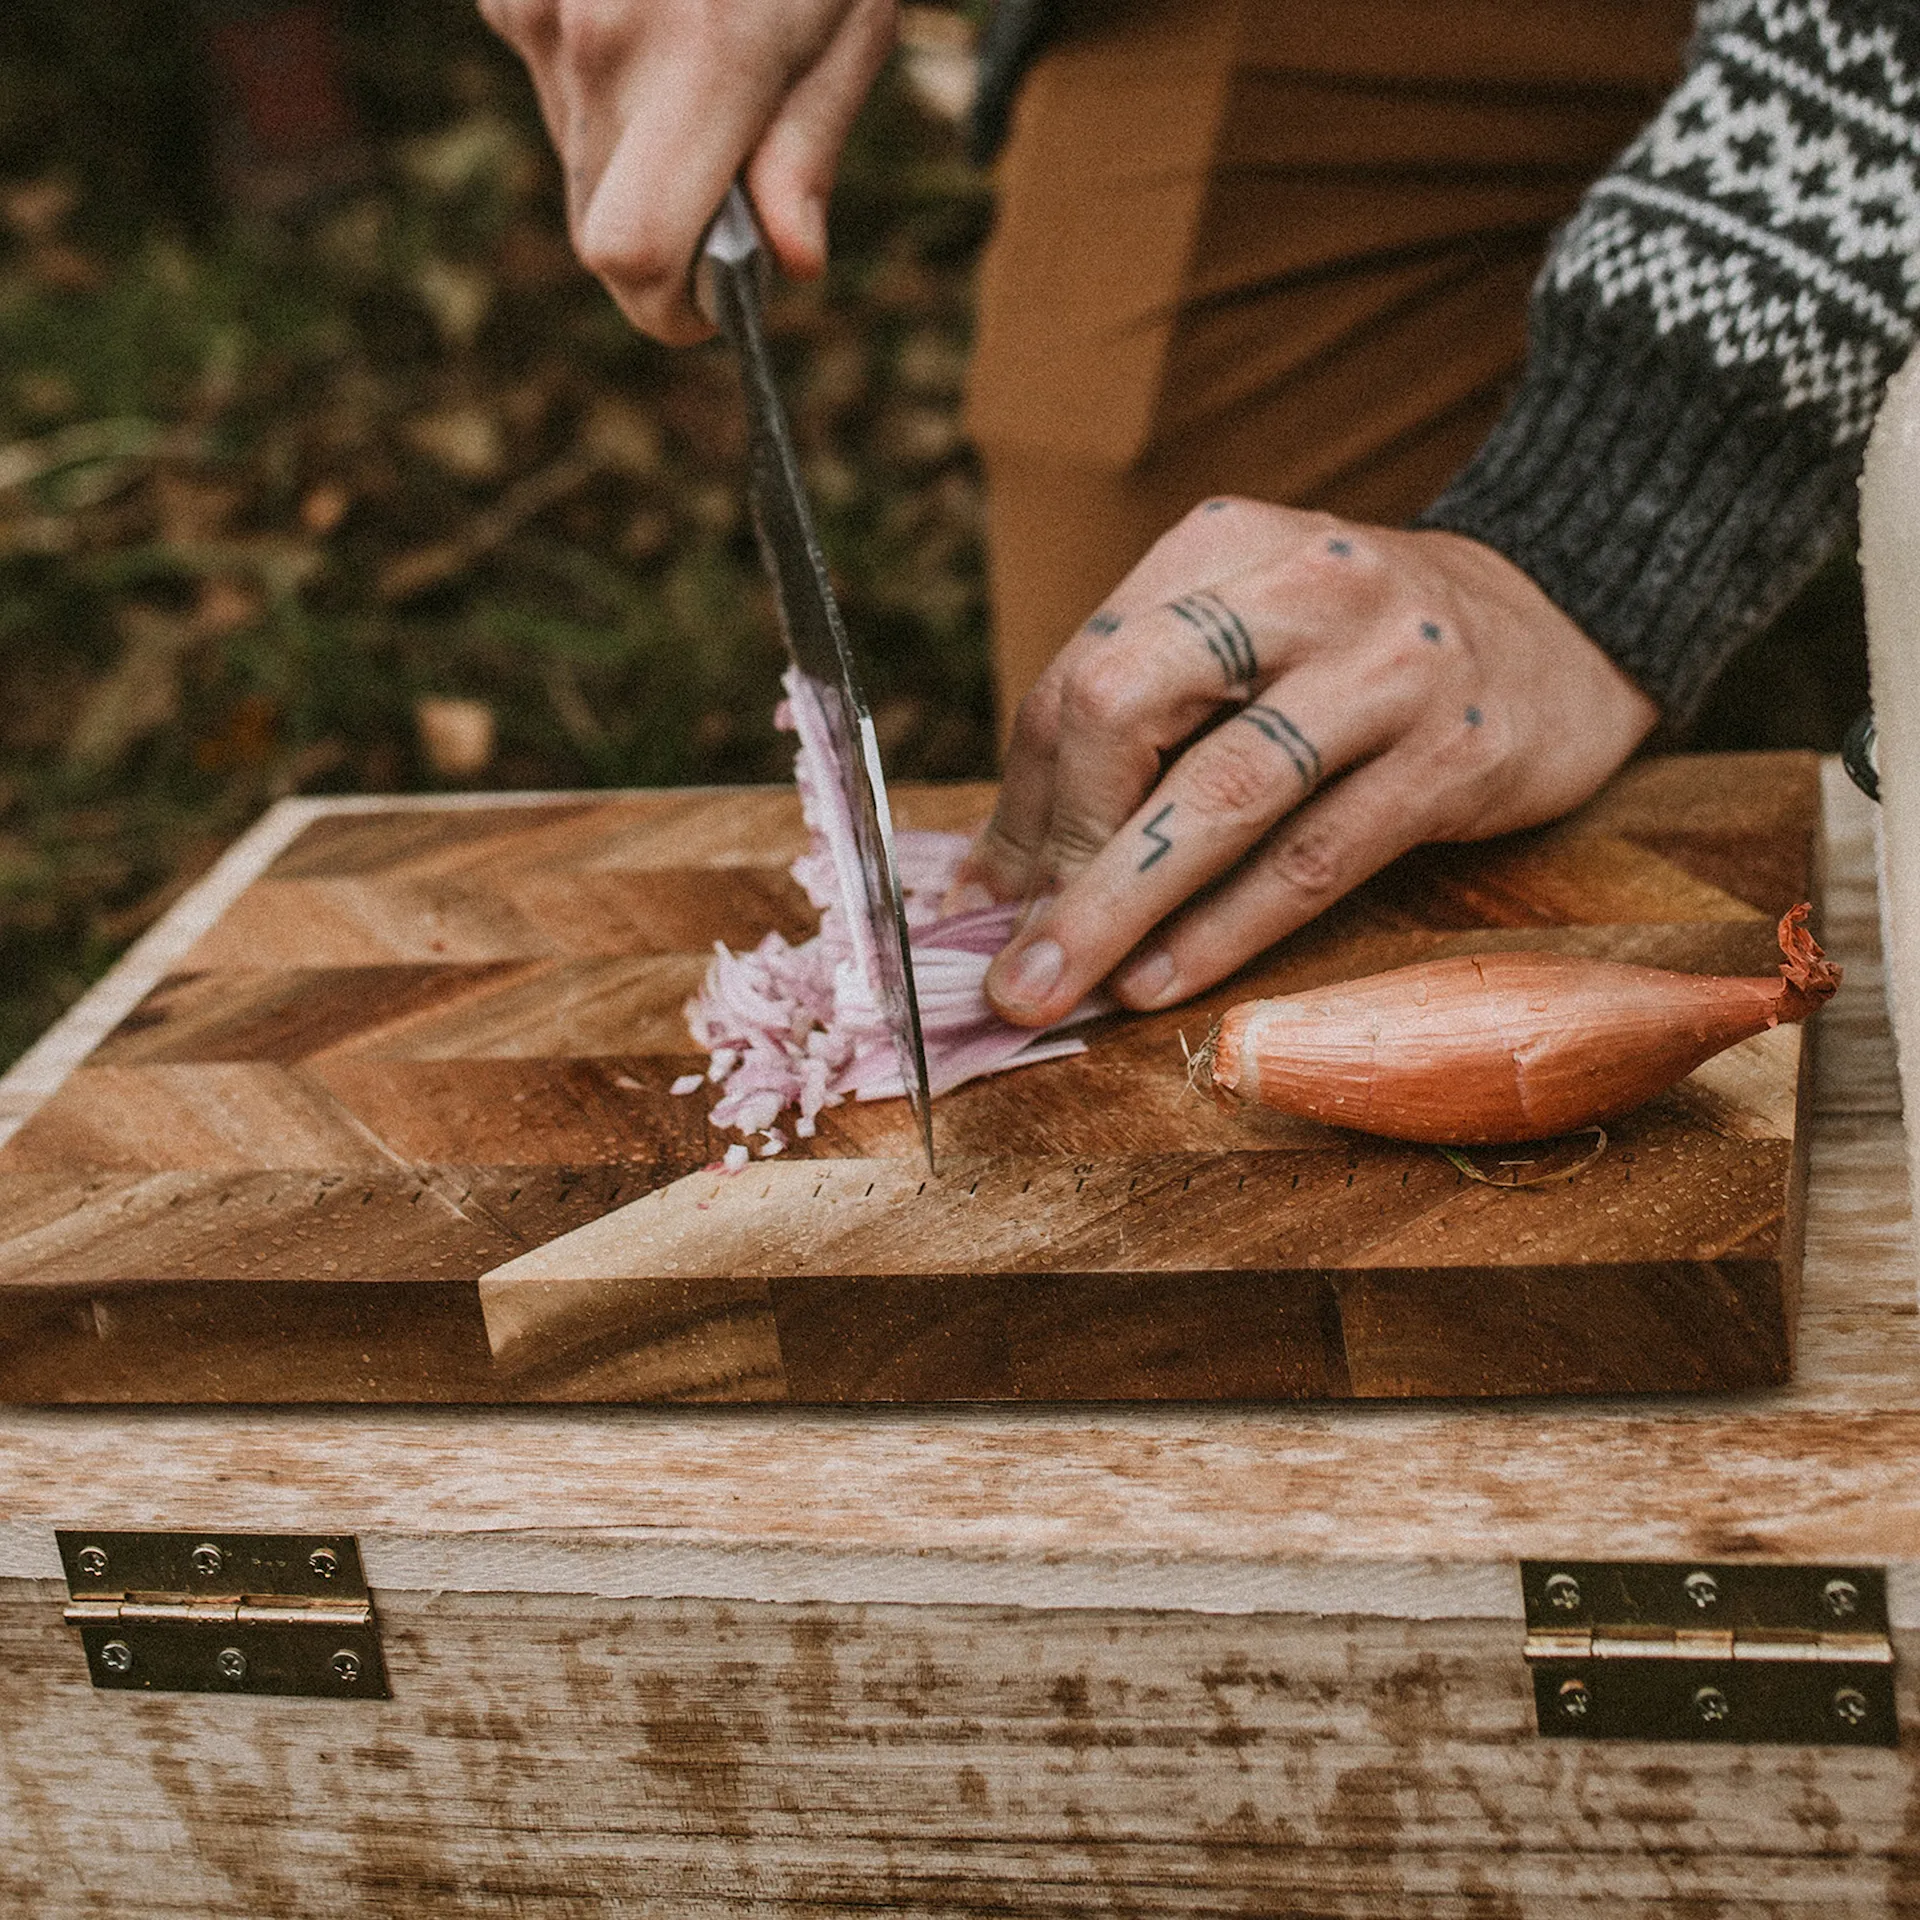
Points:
(803, 1027)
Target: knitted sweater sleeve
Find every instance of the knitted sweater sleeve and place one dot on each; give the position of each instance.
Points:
(1709, 339)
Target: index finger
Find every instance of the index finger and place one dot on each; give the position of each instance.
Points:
(642, 219)
(1217, 802)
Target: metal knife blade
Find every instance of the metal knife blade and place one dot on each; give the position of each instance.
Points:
(731, 273)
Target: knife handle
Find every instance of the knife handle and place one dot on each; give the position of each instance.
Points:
(733, 243)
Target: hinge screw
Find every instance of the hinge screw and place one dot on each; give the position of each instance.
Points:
(232, 1663)
(324, 1563)
(1563, 1592)
(1842, 1598)
(208, 1560)
(117, 1657)
(1850, 1705)
(1703, 1590)
(92, 1562)
(347, 1666)
(1711, 1704)
(1574, 1699)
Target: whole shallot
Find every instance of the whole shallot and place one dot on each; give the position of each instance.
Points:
(1497, 1047)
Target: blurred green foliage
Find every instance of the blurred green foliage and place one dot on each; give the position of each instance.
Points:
(267, 483)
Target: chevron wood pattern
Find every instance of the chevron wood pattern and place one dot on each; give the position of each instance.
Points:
(397, 1127)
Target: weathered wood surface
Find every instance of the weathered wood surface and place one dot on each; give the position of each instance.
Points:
(551, 1757)
(396, 1127)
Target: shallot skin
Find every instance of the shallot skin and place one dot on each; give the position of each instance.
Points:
(1497, 1047)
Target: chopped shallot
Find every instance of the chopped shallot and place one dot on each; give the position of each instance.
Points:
(802, 1026)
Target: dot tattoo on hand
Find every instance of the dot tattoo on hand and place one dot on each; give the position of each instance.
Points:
(1227, 640)
(1429, 630)
(1341, 547)
(1474, 716)
(1288, 738)
(1104, 622)
(1162, 843)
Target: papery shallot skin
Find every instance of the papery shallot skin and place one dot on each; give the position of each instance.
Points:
(1498, 1047)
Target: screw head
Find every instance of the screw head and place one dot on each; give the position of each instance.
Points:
(323, 1562)
(1711, 1705)
(92, 1561)
(208, 1560)
(346, 1666)
(232, 1663)
(117, 1657)
(1850, 1706)
(1702, 1589)
(1575, 1700)
(1842, 1598)
(1563, 1592)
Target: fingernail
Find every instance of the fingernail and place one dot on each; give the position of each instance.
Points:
(967, 896)
(1149, 980)
(1031, 973)
(1032, 914)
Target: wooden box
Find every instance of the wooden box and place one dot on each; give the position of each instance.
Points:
(1175, 1659)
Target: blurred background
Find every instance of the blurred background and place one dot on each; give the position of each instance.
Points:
(324, 468)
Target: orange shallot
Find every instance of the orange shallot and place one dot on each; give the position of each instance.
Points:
(1494, 1047)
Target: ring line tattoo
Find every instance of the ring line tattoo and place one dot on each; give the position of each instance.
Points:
(1288, 738)
(1219, 626)
(1104, 622)
(1162, 843)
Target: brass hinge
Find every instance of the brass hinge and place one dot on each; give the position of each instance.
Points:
(1648, 1650)
(225, 1613)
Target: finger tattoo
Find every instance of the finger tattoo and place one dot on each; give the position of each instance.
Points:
(1104, 622)
(1288, 738)
(1162, 843)
(1220, 627)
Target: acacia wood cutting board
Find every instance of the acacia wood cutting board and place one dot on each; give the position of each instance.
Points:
(397, 1127)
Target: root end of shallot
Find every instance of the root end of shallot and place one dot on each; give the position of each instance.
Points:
(1806, 970)
(1200, 1063)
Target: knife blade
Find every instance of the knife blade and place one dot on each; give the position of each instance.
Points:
(730, 276)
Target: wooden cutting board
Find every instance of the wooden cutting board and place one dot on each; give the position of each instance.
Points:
(391, 1122)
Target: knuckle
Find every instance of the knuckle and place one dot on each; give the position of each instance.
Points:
(1002, 855)
(595, 33)
(1103, 693)
(631, 257)
(1228, 776)
(1306, 861)
(1036, 724)
(1072, 841)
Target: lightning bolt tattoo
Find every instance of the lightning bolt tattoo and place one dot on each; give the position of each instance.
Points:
(1161, 842)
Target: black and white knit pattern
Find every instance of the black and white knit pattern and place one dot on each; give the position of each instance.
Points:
(1773, 206)
(1710, 339)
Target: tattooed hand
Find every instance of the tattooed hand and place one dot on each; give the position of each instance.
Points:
(1272, 706)
(655, 105)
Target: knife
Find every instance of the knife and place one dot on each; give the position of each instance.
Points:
(730, 275)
